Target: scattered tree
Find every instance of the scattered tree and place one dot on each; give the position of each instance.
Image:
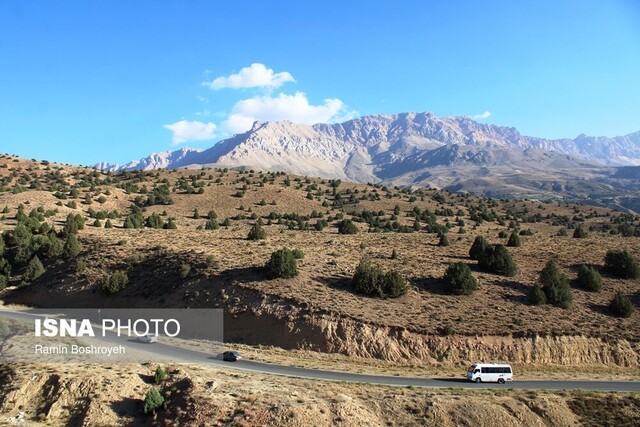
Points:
(514, 240)
(579, 233)
(160, 375)
(34, 270)
(211, 224)
(282, 264)
(555, 285)
(71, 247)
(115, 282)
(257, 232)
(497, 259)
(153, 401)
(536, 295)
(459, 279)
(480, 244)
(589, 279)
(621, 305)
(621, 264)
(369, 279)
(346, 226)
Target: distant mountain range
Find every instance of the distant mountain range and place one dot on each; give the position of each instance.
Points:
(454, 153)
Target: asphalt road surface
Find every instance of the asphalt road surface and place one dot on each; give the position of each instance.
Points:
(176, 354)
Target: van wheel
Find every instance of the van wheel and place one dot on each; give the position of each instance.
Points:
(500, 380)
(478, 380)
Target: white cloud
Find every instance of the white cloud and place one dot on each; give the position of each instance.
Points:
(184, 131)
(256, 75)
(482, 116)
(283, 107)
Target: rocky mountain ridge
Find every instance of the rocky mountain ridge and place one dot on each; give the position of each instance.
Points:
(453, 153)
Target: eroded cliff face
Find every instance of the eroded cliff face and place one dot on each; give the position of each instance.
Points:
(289, 327)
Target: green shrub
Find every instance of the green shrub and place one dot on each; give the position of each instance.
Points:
(459, 279)
(621, 264)
(443, 240)
(393, 284)
(71, 247)
(346, 226)
(115, 282)
(621, 306)
(589, 279)
(170, 224)
(536, 295)
(514, 240)
(3, 282)
(153, 401)
(369, 279)
(211, 224)
(562, 232)
(73, 224)
(55, 247)
(154, 221)
(5, 267)
(579, 233)
(108, 224)
(257, 232)
(480, 244)
(555, 286)
(298, 254)
(34, 270)
(394, 254)
(496, 259)
(282, 264)
(160, 375)
(133, 221)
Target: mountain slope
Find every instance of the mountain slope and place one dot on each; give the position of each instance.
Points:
(420, 149)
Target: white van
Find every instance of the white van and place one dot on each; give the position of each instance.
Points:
(490, 372)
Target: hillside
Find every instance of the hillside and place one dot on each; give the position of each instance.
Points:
(187, 246)
(420, 149)
(191, 266)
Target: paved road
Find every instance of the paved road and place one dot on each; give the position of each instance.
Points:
(182, 355)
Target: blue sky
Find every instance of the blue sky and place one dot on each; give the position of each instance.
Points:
(89, 81)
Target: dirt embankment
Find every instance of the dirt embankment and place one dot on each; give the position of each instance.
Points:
(288, 327)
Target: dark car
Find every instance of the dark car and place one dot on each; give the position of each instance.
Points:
(231, 356)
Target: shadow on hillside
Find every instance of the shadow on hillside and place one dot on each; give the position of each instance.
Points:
(432, 285)
(600, 308)
(523, 291)
(340, 283)
(129, 411)
(147, 379)
(460, 258)
(243, 274)
(576, 267)
(78, 411)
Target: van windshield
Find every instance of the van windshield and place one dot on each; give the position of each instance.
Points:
(472, 368)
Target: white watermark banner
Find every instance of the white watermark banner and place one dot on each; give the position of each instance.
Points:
(110, 335)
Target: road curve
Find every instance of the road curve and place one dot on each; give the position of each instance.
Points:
(181, 355)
